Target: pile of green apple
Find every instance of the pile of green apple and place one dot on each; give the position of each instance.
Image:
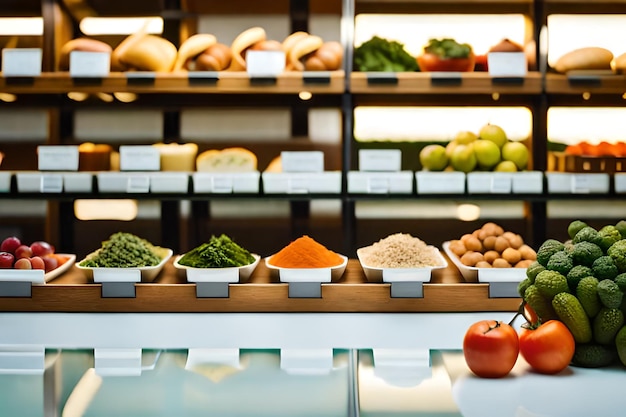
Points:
(489, 150)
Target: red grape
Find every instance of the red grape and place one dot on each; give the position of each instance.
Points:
(41, 248)
(23, 263)
(6, 260)
(10, 244)
(23, 251)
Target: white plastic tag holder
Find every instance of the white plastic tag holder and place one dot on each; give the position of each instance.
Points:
(22, 359)
(402, 367)
(89, 64)
(21, 62)
(306, 361)
(119, 361)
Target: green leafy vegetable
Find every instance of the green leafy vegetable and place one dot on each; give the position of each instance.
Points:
(379, 54)
(218, 252)
(448, 48)
(123, 250)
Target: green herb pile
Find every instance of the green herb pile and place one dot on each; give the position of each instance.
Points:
(379, 54)
(218, 252)
(123, 250)
(448, 48)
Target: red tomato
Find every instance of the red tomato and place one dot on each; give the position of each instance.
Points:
(490, 348)
(549, 348)
(433, 63)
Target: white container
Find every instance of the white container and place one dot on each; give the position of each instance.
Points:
(577, 183)
(308, 274)
(226, 182)
(440, 182)
(302, 182)
(136, 274)
(38, 276)
(380, 182)
(233, 274)
(375, 274)
(473, 274)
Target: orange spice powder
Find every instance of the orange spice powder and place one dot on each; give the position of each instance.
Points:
(305, 252)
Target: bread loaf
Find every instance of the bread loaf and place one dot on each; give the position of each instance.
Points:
(80, 44)
(143, 52)
(588, 58)
(227, 160)
(177, 157)
(214, 58)
(192, 47)
(242, 42)
(302, 48)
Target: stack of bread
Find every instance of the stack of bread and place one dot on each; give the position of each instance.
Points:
(226, 160)
(202, 52)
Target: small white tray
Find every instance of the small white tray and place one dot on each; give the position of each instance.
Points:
(302, 182)
(375, 274)
(380, 182)
(440, 182)
(135, 274)
(578, 183)
(231, 274)
(308, 274)
(37, 276)
(473, 274)
(226, 182)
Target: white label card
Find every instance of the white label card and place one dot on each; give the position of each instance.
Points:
(138, 184)
(501, 184)
(222, 184)
(581, 184)
(507, 64)
(297, 185)
(57, 158)
(380, 160)
(21, 62)
(302, 161)
(89, 64)
(377, 185)
(265, 63)
(51, 183)
(139, 158)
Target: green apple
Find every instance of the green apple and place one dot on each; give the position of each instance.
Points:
(517, 153)
(433, 157)
(493, 133)
(506, 166)
(450, 148)
(463, 158)
(487, 153)
(465, 137)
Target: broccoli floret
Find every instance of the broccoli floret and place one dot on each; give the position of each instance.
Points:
(608, 235)
(577, 273)
(550, 283)
(587, 234)
(618, 252)
(574, 227)
(609, 293)
(547, 249)
(533, 269)
(585, 253)
(379, 54)
(604, 268)
(620, 280)
(561, 262)
(621, 226)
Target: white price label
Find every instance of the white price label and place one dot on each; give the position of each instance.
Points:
(57, 158)
(380, 160)
(51, 183)
(139, 158)
(265, 63)
(89, 64)
(581, 184)
(302, 161)
(501, 184)
(377, 185)
(138, 184)
(222, 184)
(297, 185)
(507, 64)
(21, 62)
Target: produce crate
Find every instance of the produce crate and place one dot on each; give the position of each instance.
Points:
(561, 162)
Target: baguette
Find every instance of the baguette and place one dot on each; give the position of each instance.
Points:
(588, 58)
(242, 42)
(303, 47)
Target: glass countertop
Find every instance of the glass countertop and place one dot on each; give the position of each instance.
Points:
(256, 382)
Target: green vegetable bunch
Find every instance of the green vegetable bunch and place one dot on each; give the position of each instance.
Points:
(448, 48)
(123, 250)
(582, 282)
(379, 54)
(218, 252)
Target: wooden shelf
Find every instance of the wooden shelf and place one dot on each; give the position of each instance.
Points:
(446, 292)
(429, 83)
(600, 84)
(180, 83)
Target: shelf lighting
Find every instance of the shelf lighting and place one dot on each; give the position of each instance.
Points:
(77, 96)
(570, 125)
(120, 25)
(305, 95)
(468, 212)
(122, 210)
(125, 97)
(21, 26)
(7, 97)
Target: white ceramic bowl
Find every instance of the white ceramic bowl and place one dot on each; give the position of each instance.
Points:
(308, 274)
(132, 274)
(376, 274)
(230, 274)
(474, 274)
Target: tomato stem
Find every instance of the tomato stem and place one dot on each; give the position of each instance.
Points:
(521, 311)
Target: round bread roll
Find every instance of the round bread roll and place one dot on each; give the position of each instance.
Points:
(302, 48)
(327, 58)
(192, 47)
(143, 52)
(214, 58)
(292, 39)
(80, 44)
(588, 58)
(619, 64)
(242, 42)
(267, 45)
